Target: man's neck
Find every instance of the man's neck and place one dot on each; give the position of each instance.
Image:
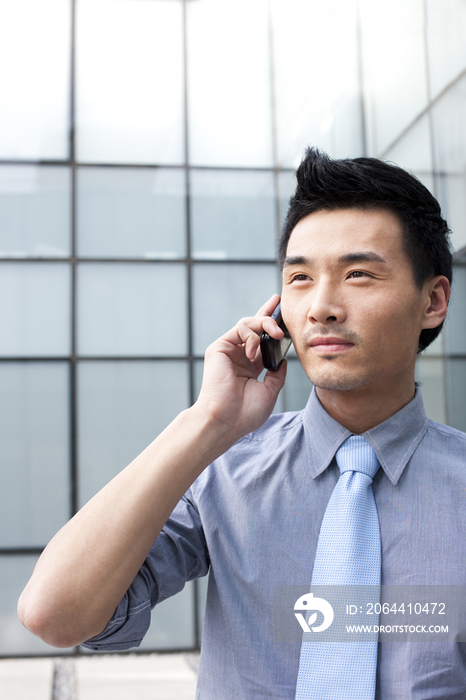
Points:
(361, 409)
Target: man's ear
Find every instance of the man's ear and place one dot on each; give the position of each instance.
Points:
(437, 291)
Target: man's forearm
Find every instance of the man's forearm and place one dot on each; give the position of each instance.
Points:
(88, 566)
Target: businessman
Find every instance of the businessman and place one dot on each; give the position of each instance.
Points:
(246, 496)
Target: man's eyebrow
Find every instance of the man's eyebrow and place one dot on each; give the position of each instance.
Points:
(297, 260)
(344, 259)
(362, 257)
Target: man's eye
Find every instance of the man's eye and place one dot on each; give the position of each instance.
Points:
(300, 278)
(357, 273)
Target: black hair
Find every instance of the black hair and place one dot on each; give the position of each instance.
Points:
(370, 183)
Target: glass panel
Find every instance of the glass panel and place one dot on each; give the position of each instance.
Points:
(232, 214)
(452, 197)
(131, 212)
(15, 639)
(120, 309)
(35, 309)
(130, 81)
(34, 452)
(286, 190)
(317, 91)
(446, 29)
(430, 377)
(123, 406)
(297, 387)
(229, 100)
(413, 152)
(202, 584)
(35, 214)
(435, 348)
(34, 92)
(448, 118)
(394, 68)
(456, 382)
(455, 327)
(172, 622)
(224, 293)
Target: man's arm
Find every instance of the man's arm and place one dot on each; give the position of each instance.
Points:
(88, 566)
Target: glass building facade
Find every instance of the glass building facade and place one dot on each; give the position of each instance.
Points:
(147, 150)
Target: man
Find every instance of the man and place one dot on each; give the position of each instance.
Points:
(366, 280)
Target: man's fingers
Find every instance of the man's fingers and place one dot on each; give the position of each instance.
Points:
(247, 332)
(269, 307)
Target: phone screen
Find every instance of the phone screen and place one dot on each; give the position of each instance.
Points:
(273, 350)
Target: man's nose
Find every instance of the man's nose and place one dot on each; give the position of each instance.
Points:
(326, 306)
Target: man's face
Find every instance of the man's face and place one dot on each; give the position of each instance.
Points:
(350, 302)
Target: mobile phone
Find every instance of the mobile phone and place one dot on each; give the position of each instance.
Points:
(273, 350)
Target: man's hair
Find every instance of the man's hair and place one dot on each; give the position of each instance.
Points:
(369, 183)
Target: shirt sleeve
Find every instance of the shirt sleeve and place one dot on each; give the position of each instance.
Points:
(179, 554)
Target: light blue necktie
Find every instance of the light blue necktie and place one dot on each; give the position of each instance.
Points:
(348, 553)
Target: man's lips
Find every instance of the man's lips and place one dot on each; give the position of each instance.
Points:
(330, 344)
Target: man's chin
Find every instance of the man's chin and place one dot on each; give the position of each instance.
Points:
(336, 381)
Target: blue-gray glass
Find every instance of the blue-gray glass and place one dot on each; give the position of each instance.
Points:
(455, 326)
(448, 119)
(122, 407)
(229, 83)
(16, 640)
(35, 213)
(430, 377)
(316, 83)
(132, 309)
(35, 55)
(446, 27)
(131, 213)
(297, 386)
(456, 383)
(35, 312)
(413, 151)
(34, 452)
(286, 189)
(223, 293)
(232, 214)
(172, 623)
(130, 86)
(395, 82)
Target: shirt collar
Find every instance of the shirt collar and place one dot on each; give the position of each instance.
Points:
(393, 441)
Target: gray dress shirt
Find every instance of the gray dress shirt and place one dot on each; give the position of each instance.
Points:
(252, 519)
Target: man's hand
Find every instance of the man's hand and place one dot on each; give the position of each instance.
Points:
(231, 392)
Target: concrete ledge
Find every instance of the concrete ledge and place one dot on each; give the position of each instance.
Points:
(135, 677)
(101, 677)
(26, 679)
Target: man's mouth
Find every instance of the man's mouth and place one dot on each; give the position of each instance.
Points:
(329, 344)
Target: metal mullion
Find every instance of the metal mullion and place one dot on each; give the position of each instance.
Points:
(189, 272)
(189, 260)
(361, 78)
(133, 358)
(73, 262)
(30, 161)
(21, 551)
(33, 358)
(141, 166)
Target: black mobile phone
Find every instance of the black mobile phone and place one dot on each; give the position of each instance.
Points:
(273, 350)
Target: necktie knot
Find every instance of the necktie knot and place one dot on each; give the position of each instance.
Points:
(355, 454)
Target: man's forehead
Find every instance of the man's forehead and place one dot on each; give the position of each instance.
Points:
(353, 234)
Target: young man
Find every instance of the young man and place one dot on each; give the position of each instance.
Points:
(366, 279)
